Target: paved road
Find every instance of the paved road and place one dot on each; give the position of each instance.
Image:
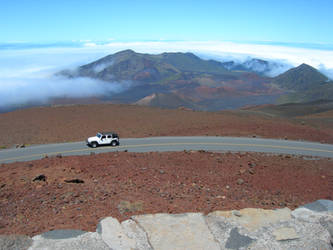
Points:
(173, 144)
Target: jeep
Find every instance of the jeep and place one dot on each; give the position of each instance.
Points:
(103, 138)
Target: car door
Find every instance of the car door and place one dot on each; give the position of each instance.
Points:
(108, 139)
(103, 140)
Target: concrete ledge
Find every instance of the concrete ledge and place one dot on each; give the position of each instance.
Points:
(307, 227)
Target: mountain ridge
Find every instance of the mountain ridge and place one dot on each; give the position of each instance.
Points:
(206, 84)
(203, 82)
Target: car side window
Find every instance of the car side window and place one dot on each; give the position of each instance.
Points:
(103, 137)
(109, 136)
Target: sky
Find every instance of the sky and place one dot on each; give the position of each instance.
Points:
(38, 21)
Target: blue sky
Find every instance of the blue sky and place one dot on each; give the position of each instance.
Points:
(39, 21)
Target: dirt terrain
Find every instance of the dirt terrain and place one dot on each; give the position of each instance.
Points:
(77, 122)
(76, 192)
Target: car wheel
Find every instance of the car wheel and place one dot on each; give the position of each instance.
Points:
(113, 143)
(94, 144)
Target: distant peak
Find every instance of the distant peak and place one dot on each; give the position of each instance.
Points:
(305, 66)
(127, 51)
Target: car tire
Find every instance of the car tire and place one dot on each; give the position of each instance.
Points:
(94, 144)
(114, 143)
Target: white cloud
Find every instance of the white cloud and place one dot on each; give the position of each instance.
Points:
(90, 44)
(295, 56)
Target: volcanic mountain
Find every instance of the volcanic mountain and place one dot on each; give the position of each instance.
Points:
(203, 84)
(305, 84)
(303, 77)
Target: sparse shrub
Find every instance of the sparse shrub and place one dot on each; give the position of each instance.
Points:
(130, 207)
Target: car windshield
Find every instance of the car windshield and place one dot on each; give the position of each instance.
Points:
(99, 135)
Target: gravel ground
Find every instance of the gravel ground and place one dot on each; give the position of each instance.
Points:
(76, 192)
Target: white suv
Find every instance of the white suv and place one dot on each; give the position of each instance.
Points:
(103, 138)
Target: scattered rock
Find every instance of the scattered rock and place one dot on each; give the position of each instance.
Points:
(240, 181)
(74, 181)
(251, 171)
(221, 197)
(40, 178)
(242, 170)
(2, 185)
(162, 172)
(285, 233)
(251, 164)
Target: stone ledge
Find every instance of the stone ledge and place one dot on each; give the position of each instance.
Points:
(307, 227)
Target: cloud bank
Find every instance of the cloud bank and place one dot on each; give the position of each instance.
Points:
(27, 72)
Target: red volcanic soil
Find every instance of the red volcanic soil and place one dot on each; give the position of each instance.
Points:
(77, 122)
(76, 192)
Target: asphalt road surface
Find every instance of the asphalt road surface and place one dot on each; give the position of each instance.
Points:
(233, 144)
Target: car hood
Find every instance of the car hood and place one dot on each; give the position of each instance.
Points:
(93, 138)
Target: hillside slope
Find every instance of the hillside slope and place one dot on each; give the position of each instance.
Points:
(77, 122)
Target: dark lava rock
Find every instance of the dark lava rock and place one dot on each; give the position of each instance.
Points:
(40, 178)
(251, 171)
(74, 181)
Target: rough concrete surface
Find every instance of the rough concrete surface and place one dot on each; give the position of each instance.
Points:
(302, 228)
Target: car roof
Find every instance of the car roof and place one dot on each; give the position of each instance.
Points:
(108, 133)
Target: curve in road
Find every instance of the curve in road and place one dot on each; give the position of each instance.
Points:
(162, 144)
